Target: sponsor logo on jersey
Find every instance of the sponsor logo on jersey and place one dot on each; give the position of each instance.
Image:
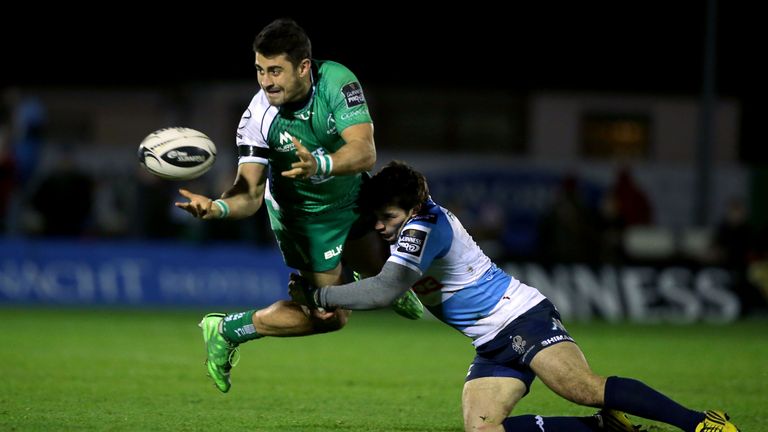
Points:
(330, 125)
(286, 143)
(245, 118)
(426, 285)
(333, 252)
(411, 241)
(353, 94)
(349, 115)
(428, 217)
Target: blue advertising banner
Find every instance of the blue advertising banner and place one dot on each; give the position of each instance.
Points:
(141, 274)
(173, 275)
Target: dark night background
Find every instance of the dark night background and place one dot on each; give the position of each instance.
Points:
(650, 47)
(113, 72)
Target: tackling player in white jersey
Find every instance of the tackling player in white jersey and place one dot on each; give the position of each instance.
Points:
(516, 331)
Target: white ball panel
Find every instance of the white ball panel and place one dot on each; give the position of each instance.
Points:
(177, 153)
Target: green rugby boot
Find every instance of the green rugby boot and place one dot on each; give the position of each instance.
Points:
(409, 306)
(222, 355)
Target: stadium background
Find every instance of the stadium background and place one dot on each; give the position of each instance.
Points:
(523, 124)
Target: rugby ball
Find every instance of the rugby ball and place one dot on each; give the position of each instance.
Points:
(177, 153)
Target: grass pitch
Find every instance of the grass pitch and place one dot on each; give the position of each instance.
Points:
(119, 370)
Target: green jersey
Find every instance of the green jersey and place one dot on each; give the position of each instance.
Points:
(335, 102)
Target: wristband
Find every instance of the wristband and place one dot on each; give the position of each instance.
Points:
(324, 165)
(223, 208)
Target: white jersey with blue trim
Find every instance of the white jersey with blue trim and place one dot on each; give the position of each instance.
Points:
(460, 285)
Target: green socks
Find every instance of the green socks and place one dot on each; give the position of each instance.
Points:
(238, 327)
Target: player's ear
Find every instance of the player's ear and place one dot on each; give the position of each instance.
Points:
(304, 67)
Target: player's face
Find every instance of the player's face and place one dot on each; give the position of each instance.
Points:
(281, 81)
(389, 222)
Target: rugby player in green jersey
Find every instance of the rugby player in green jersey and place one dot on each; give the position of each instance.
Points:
(305, 144)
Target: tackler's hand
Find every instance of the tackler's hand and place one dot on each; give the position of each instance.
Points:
(303, 292)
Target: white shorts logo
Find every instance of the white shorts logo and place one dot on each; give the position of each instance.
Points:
(333, 252)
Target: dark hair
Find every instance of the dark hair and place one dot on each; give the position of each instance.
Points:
(284, 36)
(395, 184)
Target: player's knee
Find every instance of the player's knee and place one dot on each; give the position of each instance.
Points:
(587, 390)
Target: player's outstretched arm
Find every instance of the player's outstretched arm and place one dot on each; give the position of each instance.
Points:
(243, 199)
(371, 293)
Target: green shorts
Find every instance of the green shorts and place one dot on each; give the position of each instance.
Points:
(313, 242)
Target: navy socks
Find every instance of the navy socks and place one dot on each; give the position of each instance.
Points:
(635, 398)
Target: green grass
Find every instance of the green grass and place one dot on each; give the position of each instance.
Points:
(122, 370)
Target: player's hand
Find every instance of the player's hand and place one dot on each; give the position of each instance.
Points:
(303, 292)
(199, 206)
(306, 167)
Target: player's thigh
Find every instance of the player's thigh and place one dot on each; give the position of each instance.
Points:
(564, 369)
(312, 243)
(323, 278)
(488, 401)
(366, 254)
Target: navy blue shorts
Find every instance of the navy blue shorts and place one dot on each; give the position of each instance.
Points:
(509, 354)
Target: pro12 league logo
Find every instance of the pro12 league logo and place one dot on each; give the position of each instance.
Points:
(353, 94)
(411, 241)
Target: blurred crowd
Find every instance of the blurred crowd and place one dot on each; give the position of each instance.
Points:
(62, 199)
(614, 225)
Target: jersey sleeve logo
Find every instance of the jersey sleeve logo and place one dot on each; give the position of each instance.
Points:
(426, 285)
(353, 94)
(245, 119)
(411, 241)
(428, 217)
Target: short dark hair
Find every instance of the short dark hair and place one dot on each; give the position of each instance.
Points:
(284, 36)
(395, 184)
